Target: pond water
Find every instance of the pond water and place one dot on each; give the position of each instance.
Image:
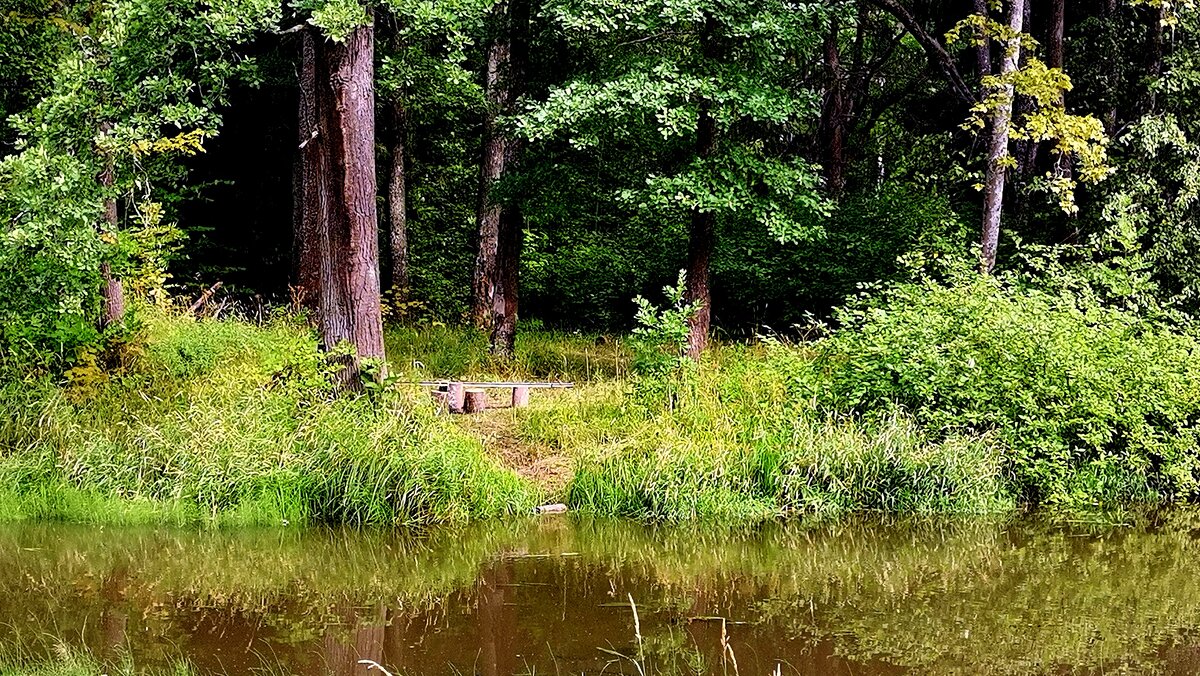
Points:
(567, 595)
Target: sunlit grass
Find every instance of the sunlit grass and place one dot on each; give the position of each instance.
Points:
(437, 351)
(737, 446)
(229, 423)
(71, 661)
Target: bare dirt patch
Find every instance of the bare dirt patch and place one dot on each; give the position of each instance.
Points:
(497, 431)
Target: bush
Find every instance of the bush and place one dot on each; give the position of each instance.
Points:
(1093, 404)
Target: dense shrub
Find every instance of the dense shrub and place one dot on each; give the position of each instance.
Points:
(1093, 403)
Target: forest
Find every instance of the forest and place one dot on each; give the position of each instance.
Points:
(797, 257)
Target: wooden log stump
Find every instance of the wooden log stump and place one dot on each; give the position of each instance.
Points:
(475, 400)
(520, 397)
(457, 392)
(441, 398)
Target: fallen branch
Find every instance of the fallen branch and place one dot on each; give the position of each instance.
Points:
(203, 299)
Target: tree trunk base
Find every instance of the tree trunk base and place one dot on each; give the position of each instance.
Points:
(475, 401)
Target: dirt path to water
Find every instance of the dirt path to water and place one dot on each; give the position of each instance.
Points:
(498, 431)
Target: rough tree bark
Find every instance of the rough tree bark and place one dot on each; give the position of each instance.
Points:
(997, 152)
(491, 168)
(309, 191)
(1054, 41)
(1026, 151)
(835, 115)
(983, 50)
(1154, 57)
(342, 168)
(112, 291)
(1110, 113)
(508, 270)
(398, 205)
(496, 281)
(702, 232)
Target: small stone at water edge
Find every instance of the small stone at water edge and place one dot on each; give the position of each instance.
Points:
(556, 508)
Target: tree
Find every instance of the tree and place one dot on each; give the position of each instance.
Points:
(711, 82)
(1044, 119)
(421, 79)
(137, 88)
(339, 219)
(495, 280)
(997, 128)
(991, 109)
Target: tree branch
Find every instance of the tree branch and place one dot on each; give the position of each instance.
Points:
(934, 49)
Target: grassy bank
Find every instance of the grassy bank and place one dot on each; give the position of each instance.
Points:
(232, 423)
(969, 397)
(737, 443)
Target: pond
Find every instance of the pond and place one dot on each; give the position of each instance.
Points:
(570, 595)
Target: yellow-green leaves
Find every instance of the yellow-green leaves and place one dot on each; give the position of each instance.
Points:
(187, 143)
(1079, 137)
(1171, 9)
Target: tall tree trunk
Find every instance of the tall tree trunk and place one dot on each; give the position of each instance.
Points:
(113, 296)
(1058, 26)
(1056, 58)
(1026, 151)
(835, 117)
(702, 232)
(983, 50)
(1110, 113)
(998, 146)
(1154, 56)
(491, 168)
(508, 272)
(310, 190)
(512, 220)
(398, 205)
(348, 302)
(112, 291)
(496, 281)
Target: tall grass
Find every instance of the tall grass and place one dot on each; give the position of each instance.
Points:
(439, 351)
(231, 423)
(71, 661)
(228, 422)
(736, 446)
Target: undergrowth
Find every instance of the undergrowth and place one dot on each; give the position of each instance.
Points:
(736, 446)
(954, 394)
(1094, 402)
(68, 660)
(438, 351)
(226, 422)
(960, 393)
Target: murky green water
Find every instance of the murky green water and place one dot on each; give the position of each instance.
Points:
(552, 596)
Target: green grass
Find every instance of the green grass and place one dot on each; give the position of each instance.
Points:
(439, 351)
(71, 661)
(738, 446)
(228, 423)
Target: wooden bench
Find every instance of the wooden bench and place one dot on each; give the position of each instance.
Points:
(471, 397)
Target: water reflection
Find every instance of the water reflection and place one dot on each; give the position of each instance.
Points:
(553, 596)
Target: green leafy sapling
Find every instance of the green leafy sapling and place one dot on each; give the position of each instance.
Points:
(660, 345)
